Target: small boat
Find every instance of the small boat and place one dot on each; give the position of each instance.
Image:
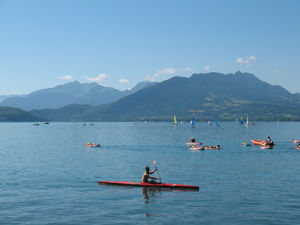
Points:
(141, 184)
(46, 122)
(261, 142)
(36, 124)
(295, 141)
(92, 145)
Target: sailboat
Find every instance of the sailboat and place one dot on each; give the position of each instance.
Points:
(242, 121)
(175, 121)
(236, 120)
(193, 122)
(247, 122)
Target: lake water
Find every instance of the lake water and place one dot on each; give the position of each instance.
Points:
(47, 176)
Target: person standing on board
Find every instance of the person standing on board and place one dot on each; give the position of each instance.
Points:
(146, 176)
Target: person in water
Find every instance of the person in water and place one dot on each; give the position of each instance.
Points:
(146, 176)
(192, 139)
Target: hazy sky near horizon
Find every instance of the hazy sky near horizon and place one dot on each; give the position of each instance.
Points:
(120, 43)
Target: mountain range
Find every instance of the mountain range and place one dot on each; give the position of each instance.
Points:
(70, 93)
(207, 96)
(9, 114)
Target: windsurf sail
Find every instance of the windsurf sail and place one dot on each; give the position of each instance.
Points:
(242, 120)
(217, 123)
(193, 122)
(175, 121)
(236, 120)
(247, 122)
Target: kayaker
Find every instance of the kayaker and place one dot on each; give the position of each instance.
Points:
(146, 176)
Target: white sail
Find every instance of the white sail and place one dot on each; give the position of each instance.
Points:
(247, 121)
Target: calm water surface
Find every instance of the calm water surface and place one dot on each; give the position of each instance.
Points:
(48, 176)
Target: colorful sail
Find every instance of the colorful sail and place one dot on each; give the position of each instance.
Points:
(175, 121)
(236, 120)
(193, 122)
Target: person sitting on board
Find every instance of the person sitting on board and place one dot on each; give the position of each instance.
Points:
(193, 139)
(146, 176)
(269, 141)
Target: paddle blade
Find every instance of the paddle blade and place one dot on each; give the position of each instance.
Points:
(154, 163)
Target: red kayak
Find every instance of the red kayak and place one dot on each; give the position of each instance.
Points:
(141, 184)
(258, 142)
(261, 142)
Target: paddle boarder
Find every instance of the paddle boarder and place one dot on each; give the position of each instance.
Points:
(146, 176)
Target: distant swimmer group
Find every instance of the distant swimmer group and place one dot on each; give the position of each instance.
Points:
(262, 143)
(193, 145)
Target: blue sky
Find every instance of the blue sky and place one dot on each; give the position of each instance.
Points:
(120, 43)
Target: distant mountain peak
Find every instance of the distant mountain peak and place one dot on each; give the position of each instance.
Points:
(238, 73)
(142, 85)
(68, 93)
